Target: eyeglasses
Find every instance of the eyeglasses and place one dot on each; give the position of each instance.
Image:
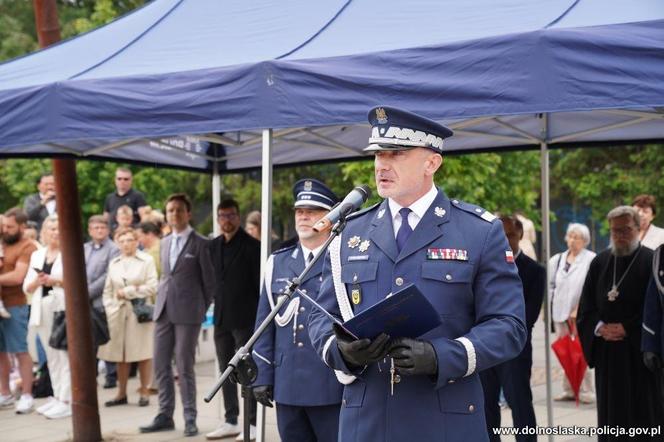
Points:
(227, 215)
(622, 231)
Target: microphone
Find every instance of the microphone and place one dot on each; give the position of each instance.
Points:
(350, 204)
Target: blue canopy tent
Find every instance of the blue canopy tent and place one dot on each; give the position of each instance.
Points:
(223, 71)
(233, 85)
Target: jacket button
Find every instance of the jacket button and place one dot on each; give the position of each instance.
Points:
(448, 277)
(397, 378)
(471, 408)
(451, 381)
(399, 281)
(302, 309)
(299, 344)
(300, 327)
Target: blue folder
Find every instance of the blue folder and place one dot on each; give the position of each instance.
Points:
(405, 314)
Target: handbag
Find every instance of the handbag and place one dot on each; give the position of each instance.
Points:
(100, 333)
(142, 310)
(58, 338)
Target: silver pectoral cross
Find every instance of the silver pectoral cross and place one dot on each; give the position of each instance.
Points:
(613, 294)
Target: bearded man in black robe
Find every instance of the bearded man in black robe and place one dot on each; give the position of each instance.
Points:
(609, 323)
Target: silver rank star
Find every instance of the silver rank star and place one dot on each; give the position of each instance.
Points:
(354, 242)
(439, 211)
(365, 245)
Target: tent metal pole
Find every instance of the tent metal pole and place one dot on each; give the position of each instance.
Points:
(216, 231)
(546, 252)
(266, 239)
(216, 197)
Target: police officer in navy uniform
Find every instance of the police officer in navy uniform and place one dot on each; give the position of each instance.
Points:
(457, 255)
(307, 393)
(652, 343)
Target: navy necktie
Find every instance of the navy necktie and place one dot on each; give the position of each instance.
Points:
(310, 257)
(404, 231)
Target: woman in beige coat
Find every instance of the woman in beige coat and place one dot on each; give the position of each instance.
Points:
(131, 275)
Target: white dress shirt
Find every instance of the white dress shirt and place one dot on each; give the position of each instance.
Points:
(417, 210)
(178, 240)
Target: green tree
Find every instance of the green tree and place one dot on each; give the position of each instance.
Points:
(602, 178)
(96, 180)
(503, 183)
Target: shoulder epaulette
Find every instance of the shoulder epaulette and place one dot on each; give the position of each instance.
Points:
(475, 210)
(362, 211)
(285, 249)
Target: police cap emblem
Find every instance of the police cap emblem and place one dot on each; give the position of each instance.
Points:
(381, 115)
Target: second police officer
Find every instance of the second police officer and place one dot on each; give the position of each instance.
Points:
(457, 255)
(290, 372)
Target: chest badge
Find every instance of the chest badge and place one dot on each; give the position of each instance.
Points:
(354, 242)
(439, 212)
(356, 295)
(364, 246)
(355, 291)
(447, 254)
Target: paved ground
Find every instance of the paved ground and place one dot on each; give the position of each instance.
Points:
(121, 423)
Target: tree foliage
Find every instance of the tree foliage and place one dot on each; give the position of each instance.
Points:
(602, 178)
(599, 178)
(498, 182)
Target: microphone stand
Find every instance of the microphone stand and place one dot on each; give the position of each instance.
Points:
(241, 365)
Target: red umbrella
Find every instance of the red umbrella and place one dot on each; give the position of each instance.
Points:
(570, 354)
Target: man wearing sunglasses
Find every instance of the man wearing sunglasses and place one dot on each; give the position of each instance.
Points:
(124, 194)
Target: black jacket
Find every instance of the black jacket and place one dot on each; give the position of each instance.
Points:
(237, 287)
(533, 277)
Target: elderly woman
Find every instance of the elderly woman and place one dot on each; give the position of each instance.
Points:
(44, 283)
(650, 235)
(132, 275)
(567, 273)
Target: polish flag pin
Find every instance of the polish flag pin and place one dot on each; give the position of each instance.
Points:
(509, 256)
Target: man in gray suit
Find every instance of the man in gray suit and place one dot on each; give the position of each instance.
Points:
(184, 294)
(98, 254)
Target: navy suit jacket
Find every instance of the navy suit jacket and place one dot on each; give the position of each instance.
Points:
(533, 278)
(653, 319)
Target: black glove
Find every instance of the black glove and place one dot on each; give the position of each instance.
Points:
(361, 352)
(245, 372)
(263, 394)
(652, 361)
(413, 357)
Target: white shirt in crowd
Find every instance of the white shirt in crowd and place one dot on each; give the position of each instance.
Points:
(568, 284)
(654, 237)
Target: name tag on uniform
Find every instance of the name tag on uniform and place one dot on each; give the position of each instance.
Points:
(358, 258)
(448, 254)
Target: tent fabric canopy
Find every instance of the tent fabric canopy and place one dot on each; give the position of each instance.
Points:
(192, 83)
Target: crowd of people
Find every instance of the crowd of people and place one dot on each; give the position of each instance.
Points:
(153, 277)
